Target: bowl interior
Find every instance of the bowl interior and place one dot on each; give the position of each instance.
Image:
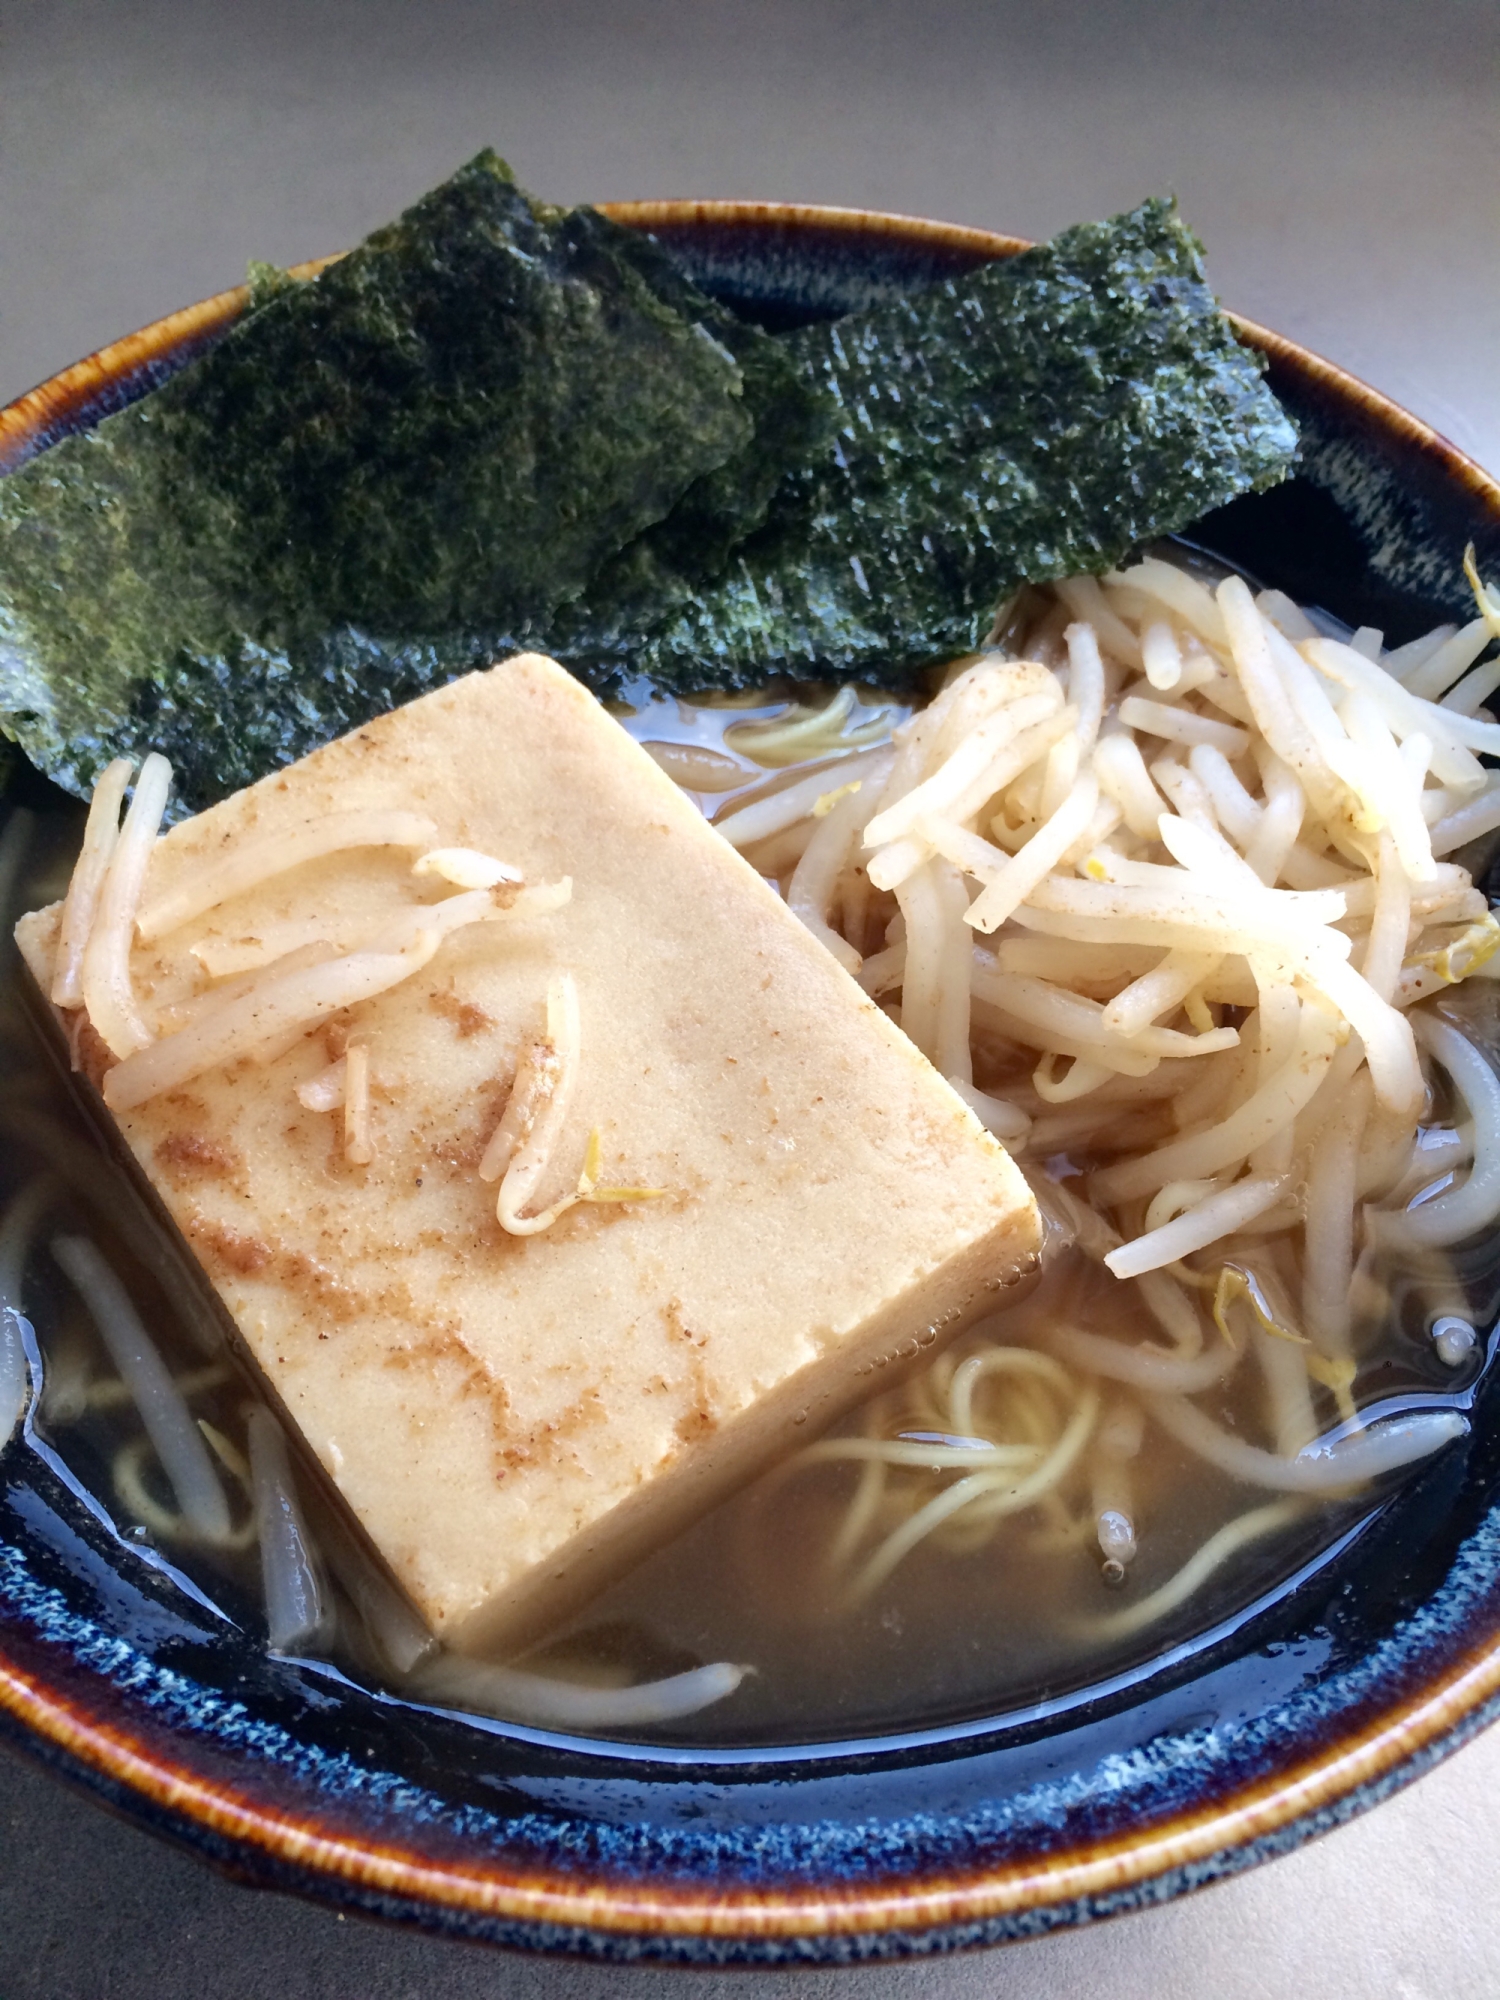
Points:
(1299, 1708)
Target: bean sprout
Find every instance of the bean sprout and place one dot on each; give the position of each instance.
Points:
(541, 1699)
(1250, 826)
(294, 1598)
(169, 1424)
(1196, 1571)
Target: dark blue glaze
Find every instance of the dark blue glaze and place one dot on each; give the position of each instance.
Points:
(1313, 1668)
(1410, 1594)
(115, 394)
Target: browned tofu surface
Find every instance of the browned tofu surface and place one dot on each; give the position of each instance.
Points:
(511, 1418)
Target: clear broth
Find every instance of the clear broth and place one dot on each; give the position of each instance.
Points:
(948, 1637)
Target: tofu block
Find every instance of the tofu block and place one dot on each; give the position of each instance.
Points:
(513, 1419)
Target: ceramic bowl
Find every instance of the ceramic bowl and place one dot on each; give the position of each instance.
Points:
(1306, 1708)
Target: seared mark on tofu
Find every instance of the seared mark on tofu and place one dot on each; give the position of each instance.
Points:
(546, 1443)
(678, 1328)
(459, 1152)
(700, 1419)
(445, 1355)
(448, 1345)
(698, 1422)
(467, 1016)
(294, 1270)
(242, 1254)
(190, 1156)
(88, 1052)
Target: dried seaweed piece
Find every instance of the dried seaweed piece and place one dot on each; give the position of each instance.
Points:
(235, 581)
(1037, 418)
(793, 418)
(450, 430)
(226, 718)
(461, 421)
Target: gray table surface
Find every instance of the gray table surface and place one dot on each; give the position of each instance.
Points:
(1340, 159)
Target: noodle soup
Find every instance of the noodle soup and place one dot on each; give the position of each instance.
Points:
(1157, 882)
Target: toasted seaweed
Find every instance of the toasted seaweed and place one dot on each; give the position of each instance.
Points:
(1039, 417)
(499, 424)
(793, 418)
(265, 282)
(448, 431)
(227, 718)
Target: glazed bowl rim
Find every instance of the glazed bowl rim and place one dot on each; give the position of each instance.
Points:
(1273, 1810)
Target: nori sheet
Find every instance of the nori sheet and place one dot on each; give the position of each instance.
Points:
(1037, 418)
(424, 458)
(447, 432)
(794, 418)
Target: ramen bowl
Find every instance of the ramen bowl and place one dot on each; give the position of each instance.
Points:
(1303, 1708)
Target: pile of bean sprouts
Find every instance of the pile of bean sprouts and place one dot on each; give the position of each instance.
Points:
(1159, 881)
